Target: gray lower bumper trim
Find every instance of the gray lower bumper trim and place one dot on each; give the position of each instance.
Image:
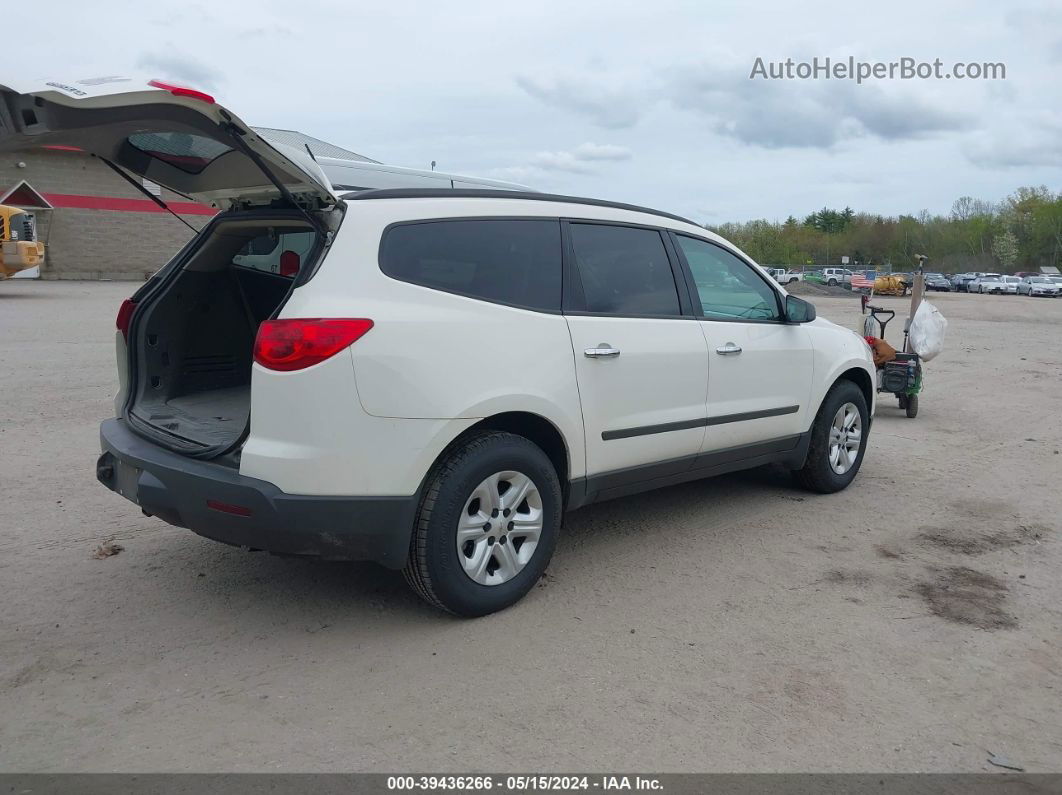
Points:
(217, 502)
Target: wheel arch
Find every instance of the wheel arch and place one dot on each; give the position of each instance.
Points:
(537, 429)
(861, 378)
(529, 425)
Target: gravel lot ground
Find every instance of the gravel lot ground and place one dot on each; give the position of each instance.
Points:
(911, 623)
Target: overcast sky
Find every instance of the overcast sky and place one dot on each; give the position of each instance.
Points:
(647, 102)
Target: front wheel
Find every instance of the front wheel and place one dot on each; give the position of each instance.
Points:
(838, 440)
(487, 525)
(912, 406)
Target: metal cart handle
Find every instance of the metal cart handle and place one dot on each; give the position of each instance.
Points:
(879, 310)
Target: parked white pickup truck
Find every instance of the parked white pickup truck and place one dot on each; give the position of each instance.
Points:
(783, 276)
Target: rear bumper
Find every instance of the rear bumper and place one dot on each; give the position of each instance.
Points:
(217, 502)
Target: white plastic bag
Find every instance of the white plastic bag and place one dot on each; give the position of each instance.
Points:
(927, 331)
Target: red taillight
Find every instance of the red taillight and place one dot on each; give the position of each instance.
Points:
(224, 507)
(301, 342)
(125, 314)
(181, 91)
(289, 263)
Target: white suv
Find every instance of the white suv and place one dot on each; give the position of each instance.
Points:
(430, 378)
(836, 276)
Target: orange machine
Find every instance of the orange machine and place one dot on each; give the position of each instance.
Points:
(19, 247)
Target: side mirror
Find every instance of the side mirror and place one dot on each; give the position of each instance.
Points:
(797, 310)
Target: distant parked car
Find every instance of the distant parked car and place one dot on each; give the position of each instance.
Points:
(960, 281)
(974, 286)
(938, 282)
(782, 276)
(1043, 286)
(986, 284)
(836, 276)
(1010, 284)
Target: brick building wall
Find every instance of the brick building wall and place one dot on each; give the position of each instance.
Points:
(101, 227)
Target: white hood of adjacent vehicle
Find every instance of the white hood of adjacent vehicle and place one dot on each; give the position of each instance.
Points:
(176, 137)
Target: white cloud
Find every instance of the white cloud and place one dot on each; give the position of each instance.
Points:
(178, 67)
(580, 160)
(563, 105)
(1029, 140)
(612, 107)
(592, 151)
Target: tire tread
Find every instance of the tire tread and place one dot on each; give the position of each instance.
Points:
(813, 475)
(416, 572)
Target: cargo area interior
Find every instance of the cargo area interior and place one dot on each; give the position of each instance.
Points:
(194, 341)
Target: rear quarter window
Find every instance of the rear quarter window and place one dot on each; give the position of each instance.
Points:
(278, 251)
(507, 261)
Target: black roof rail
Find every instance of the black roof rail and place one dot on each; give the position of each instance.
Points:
(486, 193)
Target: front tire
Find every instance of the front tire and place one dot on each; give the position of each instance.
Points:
(477, 548)
(838, 440)
(912, 406)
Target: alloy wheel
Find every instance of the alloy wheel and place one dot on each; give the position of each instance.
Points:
(846, 435)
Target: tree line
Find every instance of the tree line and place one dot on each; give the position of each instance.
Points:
(1021, 232)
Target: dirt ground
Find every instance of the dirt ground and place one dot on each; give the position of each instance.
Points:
(910, 623)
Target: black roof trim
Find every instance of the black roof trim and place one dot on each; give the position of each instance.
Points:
(484, 193)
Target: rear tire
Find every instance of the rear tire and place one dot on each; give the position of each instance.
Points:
(832, 282)
(438, 568)
(912, 406)
(818, 473)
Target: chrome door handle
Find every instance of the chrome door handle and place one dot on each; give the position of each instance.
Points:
(730, 349)
(602, 351)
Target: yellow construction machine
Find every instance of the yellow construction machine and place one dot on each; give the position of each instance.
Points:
(19, 247)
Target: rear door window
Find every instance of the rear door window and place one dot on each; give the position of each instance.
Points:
(624, 270)
(507, 261)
